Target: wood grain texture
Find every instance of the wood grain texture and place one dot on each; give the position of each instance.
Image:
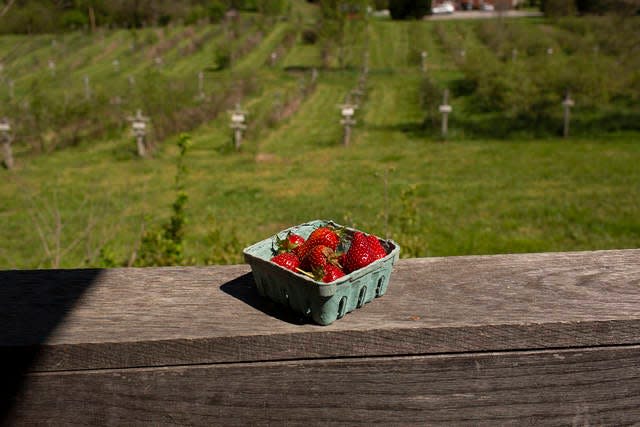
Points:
(90, 319)
(572, 387)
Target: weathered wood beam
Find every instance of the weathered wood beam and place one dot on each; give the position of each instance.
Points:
(92, 319)
(591, 386)
(553, 338)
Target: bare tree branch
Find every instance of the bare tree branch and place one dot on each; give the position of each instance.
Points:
(35, 220)
(6, 8)
(136, 246)
(84, 235)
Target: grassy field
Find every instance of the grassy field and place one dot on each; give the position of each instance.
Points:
(477, 195)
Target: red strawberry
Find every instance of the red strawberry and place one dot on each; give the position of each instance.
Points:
(319, 257)
(359, 254)
(327, 236)
(289, 243)
(376, 247)
(342, 258)
(331, 273)
(295, 239)
(287, 260)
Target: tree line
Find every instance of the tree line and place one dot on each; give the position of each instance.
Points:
(51, 16)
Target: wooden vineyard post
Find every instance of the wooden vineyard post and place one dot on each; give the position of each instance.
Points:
(87, 88)
(347, 111)
(5, 129)
(445, 109)
(277, 105)
(139, 127)
(11, 89)
(200, 95)
(357, 95)
(423, 57)
(302, 85)
(567, 103)
(238, 124)
(365, 63)
(116, 101)
(116, 65)
(52, 67)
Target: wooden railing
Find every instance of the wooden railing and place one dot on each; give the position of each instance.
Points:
(551, 338)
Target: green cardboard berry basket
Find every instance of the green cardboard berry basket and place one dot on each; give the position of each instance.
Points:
(323, 302)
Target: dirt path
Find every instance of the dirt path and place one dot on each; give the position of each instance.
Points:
(477, 14)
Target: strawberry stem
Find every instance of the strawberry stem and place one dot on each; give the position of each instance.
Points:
(306, 273)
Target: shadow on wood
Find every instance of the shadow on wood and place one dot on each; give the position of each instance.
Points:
(244, 289)
(32, 305)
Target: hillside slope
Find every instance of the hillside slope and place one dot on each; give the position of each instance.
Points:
(87, 203)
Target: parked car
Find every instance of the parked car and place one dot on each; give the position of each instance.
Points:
(443, 8)
(487, 7)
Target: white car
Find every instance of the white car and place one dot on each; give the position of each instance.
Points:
(443, 8)
(487, 7)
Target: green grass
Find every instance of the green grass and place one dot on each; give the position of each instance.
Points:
(465, 196)
(470, 197)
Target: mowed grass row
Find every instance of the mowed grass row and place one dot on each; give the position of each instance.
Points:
(460, 197)
(454, 198)
(117, 63)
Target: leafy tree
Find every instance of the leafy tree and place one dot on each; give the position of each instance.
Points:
(336, 15)
(619, 7)
(558, 7)
(273, 7)
(381, 4)
(216, 10)
(409, 9)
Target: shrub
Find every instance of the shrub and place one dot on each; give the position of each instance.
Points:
(215, 11)
(309, 36)
(164, 246)
(430, 98)
(223, 56)
(73, 20)
(196, 14)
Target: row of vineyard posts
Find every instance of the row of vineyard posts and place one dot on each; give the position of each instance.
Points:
(238, 116)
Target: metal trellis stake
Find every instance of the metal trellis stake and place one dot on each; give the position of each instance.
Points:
(347, 110)
(5, 129)
(567, 103)
(445, 109)
(139, 127)
(87, 88)
(238, 124)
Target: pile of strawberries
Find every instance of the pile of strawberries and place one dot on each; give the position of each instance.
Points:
(318, 256)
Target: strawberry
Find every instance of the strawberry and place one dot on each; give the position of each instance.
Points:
(359, 254)
(376, 247)
(326, 236)
(331, 273)
(289, 243)
(342, 258)
(287, 260)
(318, 257)
(295, 239)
